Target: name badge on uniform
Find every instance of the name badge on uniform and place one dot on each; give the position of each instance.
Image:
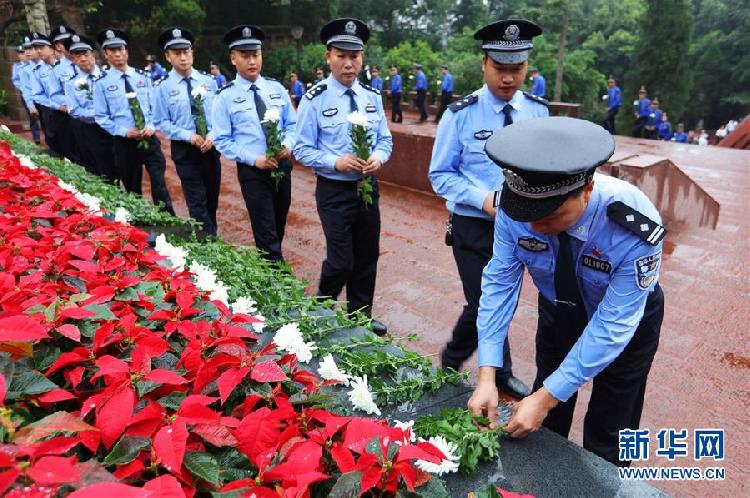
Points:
(533, 244)
(274, 96)
(597, 264)
(482, 134)
(112, 88)
(330, 112)
(140, 83)
(239, 100)
(646, 269)
(174, 92)
(371, 107)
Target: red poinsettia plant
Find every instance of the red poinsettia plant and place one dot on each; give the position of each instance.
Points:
(118, 377)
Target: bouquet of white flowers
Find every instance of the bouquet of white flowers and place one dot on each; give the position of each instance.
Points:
(274, 140)
(83, 84)
(198, 110)
(140, 120)
(361, 148)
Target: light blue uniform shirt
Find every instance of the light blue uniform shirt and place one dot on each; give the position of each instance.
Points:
(614, 300)
(172, 115)
(323, 129)
(238, 134)
(40, 82)
(460, 170)
(420, 81)
(80, 106)
(26, 76)
(377, 83)
(614, 97)
(16, 74)
(111, 108)
(396, 83)
(447, 85)
(539, 87)
(62, 71)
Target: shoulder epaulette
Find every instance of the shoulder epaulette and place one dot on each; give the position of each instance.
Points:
(536, 99)
(368, 87)
(158, 82)
(201, 71)
(643, 227)
(57, 62)
(228, 85)
(36, 67)
(101, 75)
(464, 102)
(316, 90)
(270, 79)
(140, 71)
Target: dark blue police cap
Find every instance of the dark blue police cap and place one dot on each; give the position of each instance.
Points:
(60, 33)
(244, 37)
(508, 42)
(176, 38)
(26, 42)
(79, 43)
(38, 39)
(544, 161)
(20, 49)
(112, 38)
(345, 34)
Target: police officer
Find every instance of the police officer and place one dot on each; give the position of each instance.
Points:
(420, 86)
(154, 69)
(461, 172)
(297, 89)
(651, 127)
(446, 92)
(538, 84)
(121, 94)
(40, 88)
(182, 103)
(395, 91)
(350, 224)
(25, 76)
(377, 81)
(62, 71)
(592, 245)
(239, 135)
(614, 101)
(220, 79)
(21, 81)
(94, 144)
(641, 110)
(319, 76)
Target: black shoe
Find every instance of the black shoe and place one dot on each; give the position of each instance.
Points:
(378, 328)
(512, 387)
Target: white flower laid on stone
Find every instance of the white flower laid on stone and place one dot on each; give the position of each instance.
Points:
(26, 161)
(245, 305)
(205, 279)
(130, 95)
(272, 115)
(328, 370)
(361, 397)
(199, 92)
(176, 255)
(122, 215)
(406, 426)
(356, 118)
(289, 339)
(81, 84)
(448, 465)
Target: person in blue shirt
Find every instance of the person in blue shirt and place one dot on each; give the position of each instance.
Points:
(680, 136)
(614, 101)
(395, 92)
(446, 91)
(20, 78)
(40, 85)
(297, 88)
(664, 128)
(466, 178)
(62, 71)
(592, 245)
(182, 105)
(538, 84)
(377, 81)
(651, 127)
(221, 80)
(350, 215)
(16, 68)
(94, 144)
(122, 94)
(154, 69)
(240, 135)
(420, 86)
(641, 111)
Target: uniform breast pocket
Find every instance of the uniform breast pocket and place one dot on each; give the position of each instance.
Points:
(540, 265)
(473, 152)
(334, 130)
(242, 114)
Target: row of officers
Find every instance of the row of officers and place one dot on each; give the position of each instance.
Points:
(592, 244)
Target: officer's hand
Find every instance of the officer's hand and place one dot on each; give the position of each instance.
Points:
(147, 132)
(33, 111)
(64, 109)
(208, 144)
(488, 204)
(373, 165)
(284, 154)
(196, 140)
(483, 403)
(133, 133)
(266, 163)
(529, 413)
(349, 162)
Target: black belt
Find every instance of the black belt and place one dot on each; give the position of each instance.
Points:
(339, 183)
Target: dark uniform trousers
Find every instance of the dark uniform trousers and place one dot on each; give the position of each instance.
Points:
(200, 176)
(352, 232)
(609, 120)
(473, 239)
(396, 115)
(267, 206)
(45, 116)
(421, 95)
(33, 125)
(129, 161)
(445, 100)
(640, 122)
(63, 130)
(617, 395)
(95, 149)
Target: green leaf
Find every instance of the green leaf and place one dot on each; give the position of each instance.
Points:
(347, 486)
(29, 383)
(489, 492)
(172, 400)
(434, 488)
(102, 312)
(375, 448)
(126, 450)
(202, 465)
(143, 387)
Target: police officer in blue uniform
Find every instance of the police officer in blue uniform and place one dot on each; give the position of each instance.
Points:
(21, 80)
(238, 111)
(538, 84)
(113, 111)
(154, 69)
(94, 144)
(182, 100)
(62, 71)
(592, 245)
(420, 86)
(297, 89)
(377, 81)
(641, 111)
(651, 127)
(351, 225)
(395, 91)
(614, 101)
(461, 172)
(40, 88)
(446, 92)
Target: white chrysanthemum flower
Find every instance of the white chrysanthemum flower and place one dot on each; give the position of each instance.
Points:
(272, 115)
(122, 215)
(67, 186)
(258, 326)
(199, 92)
(357, 119)
(361, 397)
(205, 279)
(5, 128)
(26, 161)
(175, 254)
(92, 203)
(448, 465)
(81, 83)
(244, 304)
(328, 370)
(130, 95)
(289, 339)
(406, 426)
